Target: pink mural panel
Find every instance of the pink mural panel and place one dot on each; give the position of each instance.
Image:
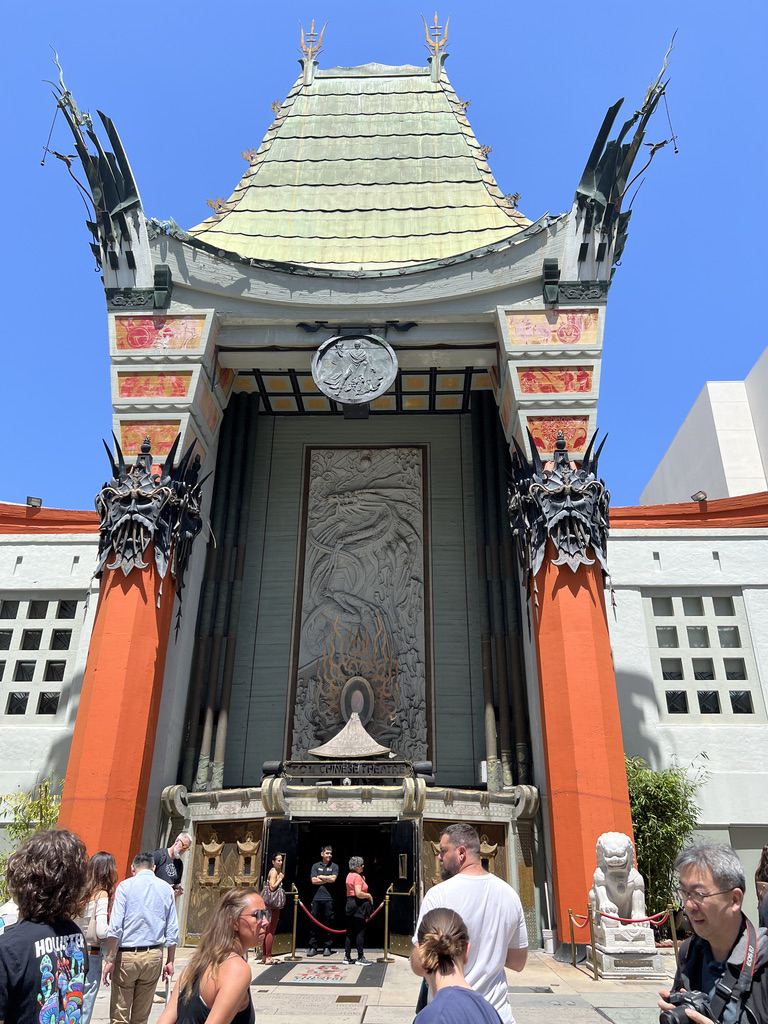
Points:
(553, 327)
(161, 432)
(159, 332)
(550, 380)
(153, 385)
(544, 430)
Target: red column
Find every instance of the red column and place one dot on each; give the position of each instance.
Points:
(584, 751)
(105, 790)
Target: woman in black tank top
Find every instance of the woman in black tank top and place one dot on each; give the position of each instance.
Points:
(217, 974)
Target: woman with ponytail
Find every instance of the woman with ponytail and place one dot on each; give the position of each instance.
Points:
(443, 947)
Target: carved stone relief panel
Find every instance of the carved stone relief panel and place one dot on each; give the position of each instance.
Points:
(362, 597)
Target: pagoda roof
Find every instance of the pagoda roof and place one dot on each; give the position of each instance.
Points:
(366, 168)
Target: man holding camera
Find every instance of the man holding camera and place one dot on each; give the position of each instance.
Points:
(723, 971)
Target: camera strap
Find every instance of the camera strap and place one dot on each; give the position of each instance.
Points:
(725, 992)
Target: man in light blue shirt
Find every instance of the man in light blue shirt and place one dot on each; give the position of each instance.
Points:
(143, 922)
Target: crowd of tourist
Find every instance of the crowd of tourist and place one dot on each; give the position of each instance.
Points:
(79, 928)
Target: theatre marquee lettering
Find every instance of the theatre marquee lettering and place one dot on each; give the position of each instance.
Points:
(346, 769)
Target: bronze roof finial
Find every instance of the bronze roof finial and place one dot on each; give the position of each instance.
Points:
(311, 45)
(436, 46)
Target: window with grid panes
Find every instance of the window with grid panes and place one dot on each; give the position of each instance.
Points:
(17, 704)
(54, 671)
(709, 702)
(48, 703)
(705, 629)
(66, 610)
(30, 639)
(24, 671)
(741, 702)
(46, 655)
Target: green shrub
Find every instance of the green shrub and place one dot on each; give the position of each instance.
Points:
(664, 816)
(31, 812)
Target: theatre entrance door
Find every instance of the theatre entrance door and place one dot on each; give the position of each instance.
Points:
(391, 856)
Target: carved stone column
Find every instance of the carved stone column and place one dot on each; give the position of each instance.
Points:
(148, 523)
(559, 514)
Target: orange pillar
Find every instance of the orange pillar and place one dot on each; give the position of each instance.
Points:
(105, 790)
(583, 747)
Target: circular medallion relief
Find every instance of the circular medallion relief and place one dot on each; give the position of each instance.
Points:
(357, 695)
(354, 368)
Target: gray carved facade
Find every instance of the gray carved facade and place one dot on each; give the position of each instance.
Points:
(363, 596)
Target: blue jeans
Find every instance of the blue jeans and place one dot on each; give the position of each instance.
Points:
(91, 986)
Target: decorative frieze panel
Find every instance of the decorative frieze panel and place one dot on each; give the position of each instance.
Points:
(551, 327)
(165, 379)
(363, 595)
(159, 333)
(549, 375)
(545, 431)
(555, 380)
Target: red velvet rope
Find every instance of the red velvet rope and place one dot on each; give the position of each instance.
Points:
(657, 919)
(579, 924)
(335, 931)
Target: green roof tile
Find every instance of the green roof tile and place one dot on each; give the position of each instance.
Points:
(371, 167)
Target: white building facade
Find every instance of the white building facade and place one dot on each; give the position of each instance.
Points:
(47, 558)
(690, 646)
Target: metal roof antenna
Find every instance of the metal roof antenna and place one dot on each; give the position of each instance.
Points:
(310, 45)
(436, 46)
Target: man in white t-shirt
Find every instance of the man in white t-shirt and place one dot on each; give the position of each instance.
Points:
(491, 910)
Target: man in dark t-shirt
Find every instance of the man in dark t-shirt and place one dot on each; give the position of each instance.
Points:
(168, 865)
(324, 873)
(43, 958)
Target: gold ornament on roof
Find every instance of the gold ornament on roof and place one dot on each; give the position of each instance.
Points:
(310, 44)
(248, 155)
(437, 45)
(217, 205)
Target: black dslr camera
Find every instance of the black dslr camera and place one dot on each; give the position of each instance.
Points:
(681, 1001)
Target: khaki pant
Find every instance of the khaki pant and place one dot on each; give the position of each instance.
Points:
(133, 985)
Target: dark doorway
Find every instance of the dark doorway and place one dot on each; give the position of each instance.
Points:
(389, 852)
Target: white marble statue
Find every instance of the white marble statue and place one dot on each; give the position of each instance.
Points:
(617, 886)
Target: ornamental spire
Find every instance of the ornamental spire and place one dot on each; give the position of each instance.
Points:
(436, 45)
(311, 45)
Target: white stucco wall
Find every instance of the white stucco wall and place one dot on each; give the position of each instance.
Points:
(733, 754)
(722, 445)
(757, 393)
(52, 568)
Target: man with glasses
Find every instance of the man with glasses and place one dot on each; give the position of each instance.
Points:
(168, 865)
(726, 957)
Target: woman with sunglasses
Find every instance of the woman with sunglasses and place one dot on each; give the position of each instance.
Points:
(217, 979)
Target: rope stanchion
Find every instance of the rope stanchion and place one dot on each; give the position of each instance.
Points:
(295, 893)
(673, 929)
(386, 959)
(591, 916)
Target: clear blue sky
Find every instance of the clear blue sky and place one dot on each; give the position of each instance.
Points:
(189, 87)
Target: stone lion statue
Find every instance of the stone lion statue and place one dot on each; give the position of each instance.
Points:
(617, 886)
